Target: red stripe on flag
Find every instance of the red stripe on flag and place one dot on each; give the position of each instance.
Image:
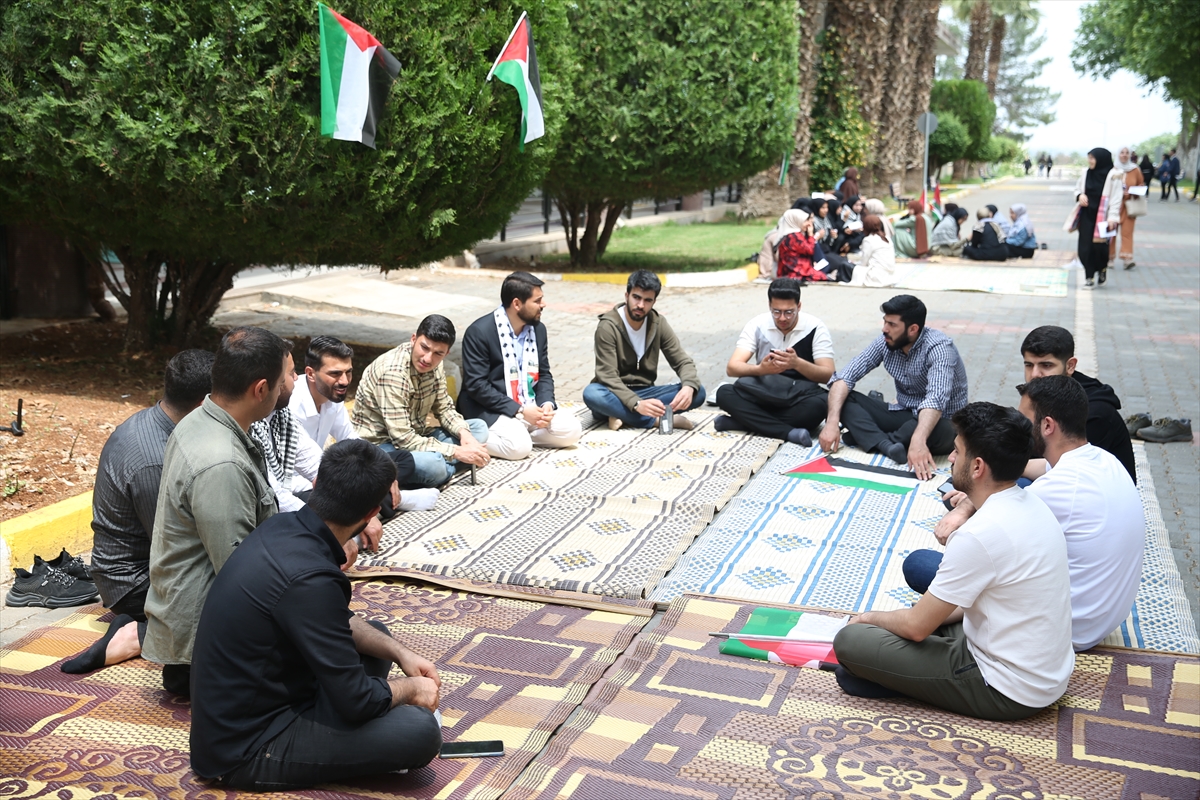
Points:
(518, 46)
(356, 32)
(816, 465)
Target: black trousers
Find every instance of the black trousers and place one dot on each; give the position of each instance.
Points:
(1169, 184)
(1020, 252)
(320, 747)
(134, 602)
(764, 419)
(872, 423)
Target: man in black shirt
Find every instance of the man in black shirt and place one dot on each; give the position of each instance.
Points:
(1050, 350)
(289, 687)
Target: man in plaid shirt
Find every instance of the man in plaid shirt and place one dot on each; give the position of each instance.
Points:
(398, 392)
(931, 384)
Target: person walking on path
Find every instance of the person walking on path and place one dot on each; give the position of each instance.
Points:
(1098, 192)
(1174, 171)
(1133, 177)
(1147, 169)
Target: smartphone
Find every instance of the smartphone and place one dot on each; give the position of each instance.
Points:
(945, 489)
(488, 749)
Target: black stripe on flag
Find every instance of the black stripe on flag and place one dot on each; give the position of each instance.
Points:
(895, 473)
(384, 69)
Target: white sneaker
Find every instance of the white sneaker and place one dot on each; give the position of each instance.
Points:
(418, 499)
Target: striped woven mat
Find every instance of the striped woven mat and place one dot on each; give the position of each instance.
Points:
(512, 669)
(677, 719)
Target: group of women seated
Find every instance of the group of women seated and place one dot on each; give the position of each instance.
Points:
(993, 238)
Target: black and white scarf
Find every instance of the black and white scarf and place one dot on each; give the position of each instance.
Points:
(279, 440)
(518, 383)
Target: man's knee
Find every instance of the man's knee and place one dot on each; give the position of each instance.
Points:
(565, 428)
(509, 440)
(595, 394)
(413, 734)
(857, 644)
(698, 398)
(479, 429)
(430, 469)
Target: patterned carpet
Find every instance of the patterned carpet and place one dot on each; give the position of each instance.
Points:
(788, 541)
(676, 719)
(511, 669)
(609, 516)
(968, 276)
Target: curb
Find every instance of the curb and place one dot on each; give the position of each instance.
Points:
(67, 523)
(677, 280)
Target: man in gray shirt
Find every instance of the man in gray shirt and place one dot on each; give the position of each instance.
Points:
(214, 492)
(123, 506)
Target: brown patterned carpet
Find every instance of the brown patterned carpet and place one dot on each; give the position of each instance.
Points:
(676, 719)
(512, 669)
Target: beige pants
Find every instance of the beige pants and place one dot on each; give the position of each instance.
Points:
(512, 438)
(1127, 223)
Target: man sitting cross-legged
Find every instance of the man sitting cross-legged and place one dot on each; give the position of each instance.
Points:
(779, 396)
(289, 687)
(1093, 499)
(506, 375)
(398, 392)
(123, 508)
(629, 339)
(992, 636)
(931, 385)
(214, 492)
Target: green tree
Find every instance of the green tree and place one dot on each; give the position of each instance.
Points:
(968, 101)
(672, 97)
(184, 136)
(840, 136)
(1156, 145)
(1020, 103)
(1003, 150)
(949, 142)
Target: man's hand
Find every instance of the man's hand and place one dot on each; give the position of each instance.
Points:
(351, 548)
(370, 535)
(952, 522)
(683, 399)
(831, 436)
(415, 666)
(414, 691)
(920, 460)
(535, 416)
(772, 364)
(651, 408)
(954, 497)
(472, 453)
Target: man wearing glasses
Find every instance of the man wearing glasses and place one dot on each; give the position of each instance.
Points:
(780, 395)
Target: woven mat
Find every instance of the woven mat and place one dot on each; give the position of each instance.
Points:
(968, 276)
(788, 541)
(676, 719)
(511, 670)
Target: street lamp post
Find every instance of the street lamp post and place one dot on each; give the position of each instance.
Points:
(927, 123)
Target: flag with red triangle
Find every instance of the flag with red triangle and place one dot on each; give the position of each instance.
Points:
(855, 475)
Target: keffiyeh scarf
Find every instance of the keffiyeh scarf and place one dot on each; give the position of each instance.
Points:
(517, 381)
(279, 440)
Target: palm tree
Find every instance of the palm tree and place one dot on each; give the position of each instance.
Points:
(1002, 10)
(898, 100)
(925, 42)
(978, 14)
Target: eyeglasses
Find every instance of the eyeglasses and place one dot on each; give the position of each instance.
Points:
(783, 313)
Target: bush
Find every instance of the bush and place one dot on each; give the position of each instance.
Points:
(185, 133)
(840, 135)
(1003, 150)
(949, 142)
(969, 102)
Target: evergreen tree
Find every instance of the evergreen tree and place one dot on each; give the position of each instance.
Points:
(1020, 103)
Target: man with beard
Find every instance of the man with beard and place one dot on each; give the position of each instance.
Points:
(1050, 350)
(991, 638)
(629, 340)
(1093, 499)
(506, 375)
(931, 385)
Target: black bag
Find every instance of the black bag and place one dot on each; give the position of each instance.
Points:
(776, 391)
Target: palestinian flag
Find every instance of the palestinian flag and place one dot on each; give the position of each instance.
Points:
(856, 475)
(517, 66)
(356, 76)
(788, 637)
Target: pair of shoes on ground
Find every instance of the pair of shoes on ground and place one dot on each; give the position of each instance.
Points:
(59, 583)
(1161, 430)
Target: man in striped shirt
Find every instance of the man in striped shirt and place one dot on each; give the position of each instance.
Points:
(931, 384)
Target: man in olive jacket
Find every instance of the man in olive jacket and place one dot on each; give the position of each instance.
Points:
(628, 341)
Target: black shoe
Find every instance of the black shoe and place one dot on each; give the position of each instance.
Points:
(72, 565)
(47, 587)
(1102, 277)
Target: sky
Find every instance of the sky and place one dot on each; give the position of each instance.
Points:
(1093, 112)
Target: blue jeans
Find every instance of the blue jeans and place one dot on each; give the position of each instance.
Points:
(604, 404)
(920, 568)
(434, 469)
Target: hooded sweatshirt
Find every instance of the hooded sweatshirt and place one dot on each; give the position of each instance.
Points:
(1105, 427)
(618, 366)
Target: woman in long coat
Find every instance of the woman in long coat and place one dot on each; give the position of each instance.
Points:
(1133, 177)
(1098, 192)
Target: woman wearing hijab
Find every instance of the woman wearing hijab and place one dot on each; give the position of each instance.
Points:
(877, 265)
(852, 225)
(1098, 192)
(911, 232)
(987, 239)
(849, 183)
(794, 253)
(945, 240)
(1021, 242)
(873, 205)
(766, 256)
(1146, 166)
(1133, 177)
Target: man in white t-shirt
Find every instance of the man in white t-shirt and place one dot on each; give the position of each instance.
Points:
(992, 636)
(1092, 496)
(780, 395)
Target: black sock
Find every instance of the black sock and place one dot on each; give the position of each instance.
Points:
(93, 657)
(861, 687)
(724, 423)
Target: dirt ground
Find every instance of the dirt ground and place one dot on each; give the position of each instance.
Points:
(77, 387)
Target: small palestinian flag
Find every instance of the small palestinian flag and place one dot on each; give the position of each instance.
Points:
(785, 637)
(356, 76)
(855, 475)
(517, 66)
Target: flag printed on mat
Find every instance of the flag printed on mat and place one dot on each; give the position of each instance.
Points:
(856, 475)
(517, 66)
(807, 638)
(356, 75)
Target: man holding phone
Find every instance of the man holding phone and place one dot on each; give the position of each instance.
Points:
(779, 396)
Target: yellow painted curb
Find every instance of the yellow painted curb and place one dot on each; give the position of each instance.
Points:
(67, 523)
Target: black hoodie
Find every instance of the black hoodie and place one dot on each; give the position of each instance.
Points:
(1105, 427)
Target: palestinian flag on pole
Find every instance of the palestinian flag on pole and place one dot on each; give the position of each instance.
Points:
(517, 66)
(356, 76)
(858, 476)
(785, 637)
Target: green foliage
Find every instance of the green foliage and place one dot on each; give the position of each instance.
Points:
(968, 101)
(186, 132)
(1020, 103)
(1003, 150)
(1156, 145)
(681, 248)
(949, 142)
(840, 136)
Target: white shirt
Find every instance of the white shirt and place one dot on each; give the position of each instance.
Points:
(331, 420)
(636, 337)
(1007, 568)
(761, 336)
(1101, 515)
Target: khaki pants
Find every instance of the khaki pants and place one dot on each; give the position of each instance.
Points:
(940, 670)
(1127, 223)
(512, 438)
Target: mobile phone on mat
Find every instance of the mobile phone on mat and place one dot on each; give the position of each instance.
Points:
(487, 749)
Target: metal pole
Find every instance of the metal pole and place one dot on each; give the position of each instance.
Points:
(925, 173)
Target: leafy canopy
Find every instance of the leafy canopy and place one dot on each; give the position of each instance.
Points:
(949, 142)
(1020, 102)
(968, 101)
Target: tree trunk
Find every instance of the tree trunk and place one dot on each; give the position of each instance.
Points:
(568, 215)
(866, 33)
(995, 54)
(925, 42)
(611, 215)
(196, 290)
(812, 22)
(762, 196)
(979, 32)
(897, 118)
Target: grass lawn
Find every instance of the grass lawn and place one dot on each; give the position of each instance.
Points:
(700, 247)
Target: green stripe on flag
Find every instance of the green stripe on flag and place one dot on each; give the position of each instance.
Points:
(763, 622)
(512, 73)
(333, 51)
(854, 483)
(783, 168)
